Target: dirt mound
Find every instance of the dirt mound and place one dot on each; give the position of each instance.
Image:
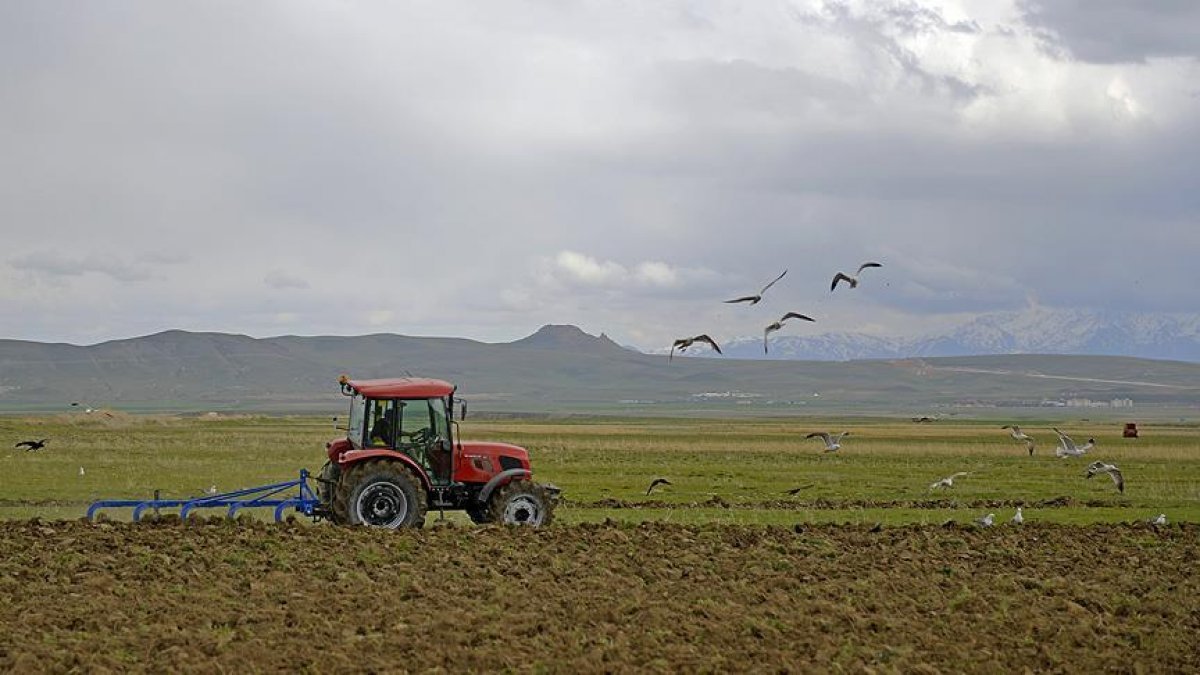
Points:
(215, 595)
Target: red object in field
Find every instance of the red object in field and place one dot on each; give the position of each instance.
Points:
(401, 455)
(1130, 430)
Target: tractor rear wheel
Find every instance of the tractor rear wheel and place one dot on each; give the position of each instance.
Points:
(380, 494)
(521, 502)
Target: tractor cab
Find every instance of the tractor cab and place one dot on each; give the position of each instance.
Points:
(408, 416)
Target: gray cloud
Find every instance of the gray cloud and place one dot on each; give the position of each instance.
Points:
(1119, 31)
(481, 170)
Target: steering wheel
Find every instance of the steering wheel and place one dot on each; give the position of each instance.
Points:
(420, 437)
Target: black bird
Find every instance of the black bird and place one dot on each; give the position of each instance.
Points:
(754, 299)
(796, 491)
(852, 280)
(779, 325)
(32, 445)
(655, 483)
(683, 343)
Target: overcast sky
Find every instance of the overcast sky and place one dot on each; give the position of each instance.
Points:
(479, 169)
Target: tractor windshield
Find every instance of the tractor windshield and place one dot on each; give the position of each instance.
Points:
(358, 415)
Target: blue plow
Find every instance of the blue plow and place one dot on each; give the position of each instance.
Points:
(276, 495)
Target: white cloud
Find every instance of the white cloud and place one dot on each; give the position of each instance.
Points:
(280, 279)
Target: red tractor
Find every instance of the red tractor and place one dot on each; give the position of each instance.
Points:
(402, 456)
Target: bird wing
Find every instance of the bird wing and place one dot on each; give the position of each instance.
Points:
(796, 315)
(747, 298)
(1066, 440)
(764, 289)
(766, 332)
(960, 474)
(840, 436)
(1007, 426)
(822, 435)
(837, 278)
(710, 341)
(1115, 474)
(866, 265)
(24, 443)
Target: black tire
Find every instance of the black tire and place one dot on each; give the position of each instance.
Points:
(380, 493)
(327, 489)
(521, 502)
(479, 514)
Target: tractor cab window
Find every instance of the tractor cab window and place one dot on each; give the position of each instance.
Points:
(422, 427)
(358, 415)
(381, 414)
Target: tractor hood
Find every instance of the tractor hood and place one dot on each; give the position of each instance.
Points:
(505, 455)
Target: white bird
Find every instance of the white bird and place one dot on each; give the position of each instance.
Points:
(946, 482)
(852, 280)
(832, 443)
(779, 325)
(81, 472)
(1113, 472)
(683, 343)
(1067, 448)
(1160, 520)
(212, 490)
(1017, 519)
(986, 521)
(1018, 435)
(754, 299)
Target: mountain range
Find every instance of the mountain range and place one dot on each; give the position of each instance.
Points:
(1036, 330)
(558, 368)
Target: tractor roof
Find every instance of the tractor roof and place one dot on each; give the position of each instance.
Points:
(401, 387)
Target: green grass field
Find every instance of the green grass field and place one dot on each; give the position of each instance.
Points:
(722, 470)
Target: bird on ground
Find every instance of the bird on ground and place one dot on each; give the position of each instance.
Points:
(81, 471)
(795, 491)
(1161, 519)
(1113, 472)
(832, 443)
(946, 482)
(683, 343)
(986, 521)
(211, 490)
(1017, 519)
(852, 280)
(1067, 448)
(779, 325)
(754, 299)
(1018, 435)
(32, 445)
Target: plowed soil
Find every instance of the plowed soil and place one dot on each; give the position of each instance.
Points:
(219, 596)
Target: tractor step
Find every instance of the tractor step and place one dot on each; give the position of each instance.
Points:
(264, 496)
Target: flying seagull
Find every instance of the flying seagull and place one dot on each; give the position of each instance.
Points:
(683, 343)
(832, 443)
(986, 521)
(655, 483)
(32, 445)
(754, 299)
(1113, 472)
(946, 482)
(1018, 435)
(795, 491)
(852, 280)
(1067, 448)
(1017, 519)
(779, 325)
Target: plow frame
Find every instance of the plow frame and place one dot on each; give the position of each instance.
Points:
(305, 501)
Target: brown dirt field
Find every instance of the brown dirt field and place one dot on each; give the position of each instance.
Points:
(218, 596)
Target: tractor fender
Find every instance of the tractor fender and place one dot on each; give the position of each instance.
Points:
(502, 478)
(355, 456)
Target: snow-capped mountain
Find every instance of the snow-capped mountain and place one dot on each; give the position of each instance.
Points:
(1037, 330)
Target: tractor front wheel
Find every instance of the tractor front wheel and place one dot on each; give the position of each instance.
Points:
(380, 494)
(521, 502)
